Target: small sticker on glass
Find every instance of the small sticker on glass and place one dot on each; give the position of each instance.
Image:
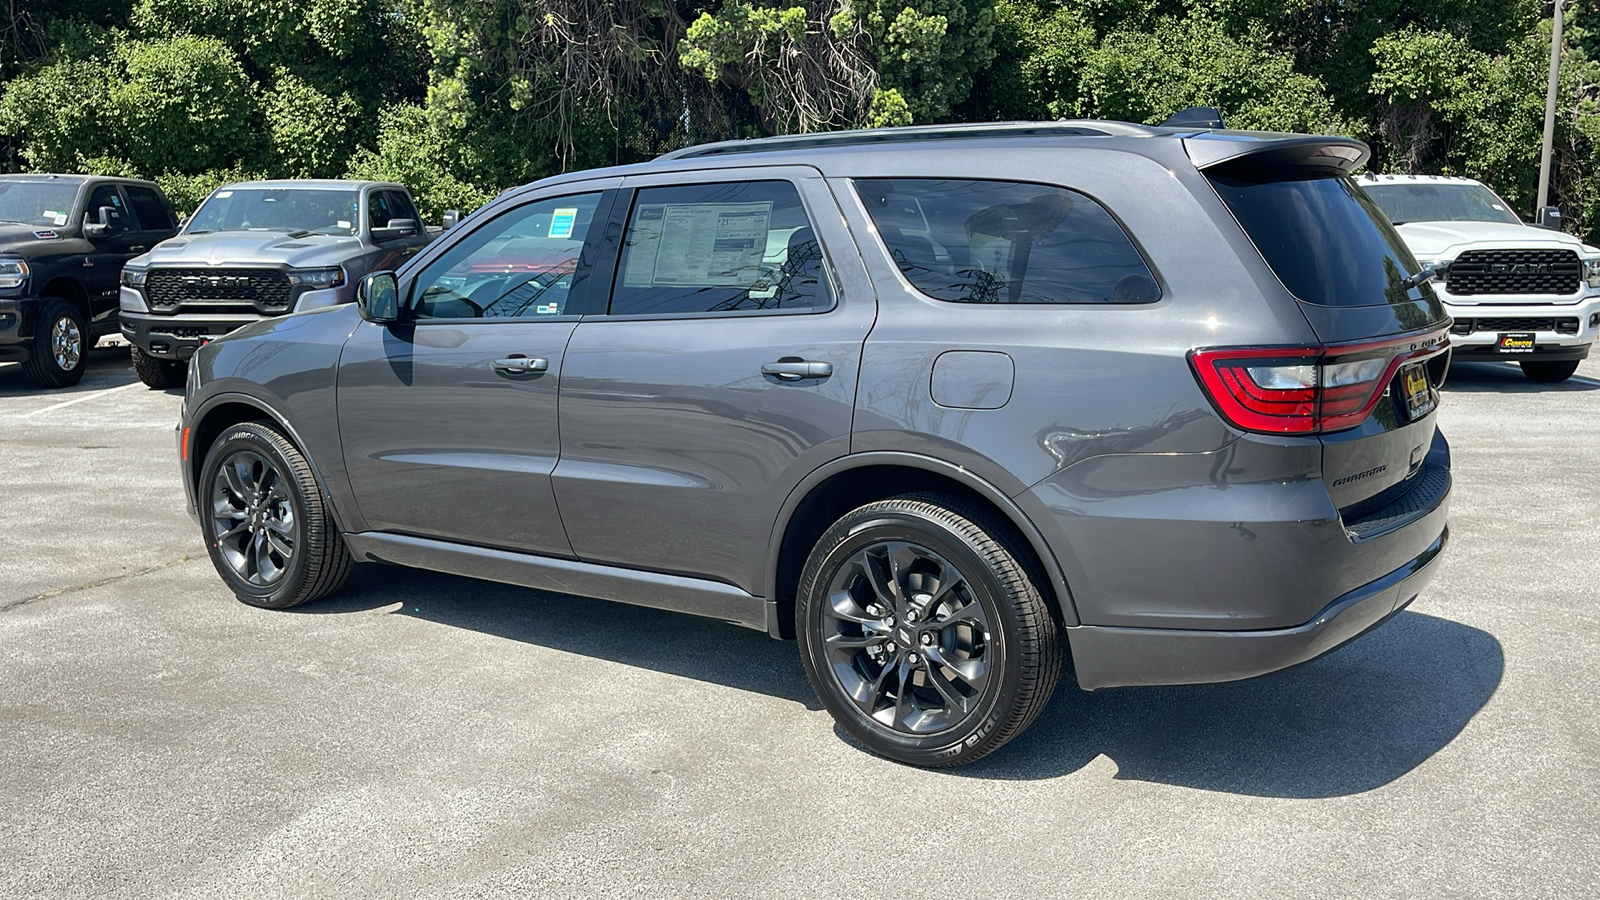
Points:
(342, 223)
(562, 222)
(223, 195)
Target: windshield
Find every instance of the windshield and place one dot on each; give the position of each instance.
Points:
(1440, 203)
(46, 203)
(323, 211)
(1327, 241)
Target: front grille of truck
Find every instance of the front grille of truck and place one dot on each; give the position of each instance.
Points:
(1514, 272)
(262, 291)
(1563, 325)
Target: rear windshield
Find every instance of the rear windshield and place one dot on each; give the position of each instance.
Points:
(324, 211)
(1327, 241)
(1440, 203)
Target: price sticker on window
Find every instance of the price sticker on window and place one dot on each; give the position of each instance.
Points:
(562, 222)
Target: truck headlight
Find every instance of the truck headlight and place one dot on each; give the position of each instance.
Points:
(1591, 272)
(317, 278)
(13, 273)
(133, 276)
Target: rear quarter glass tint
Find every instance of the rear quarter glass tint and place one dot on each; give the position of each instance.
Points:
(1324, 238)
(1005, 242)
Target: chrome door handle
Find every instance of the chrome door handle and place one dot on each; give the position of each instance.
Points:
(138, 248)
(796, 369)
(521, 365)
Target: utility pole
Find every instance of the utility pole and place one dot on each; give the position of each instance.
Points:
(1550, 111)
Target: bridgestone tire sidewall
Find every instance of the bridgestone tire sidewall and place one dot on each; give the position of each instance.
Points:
(282, 593)
(1000, 695)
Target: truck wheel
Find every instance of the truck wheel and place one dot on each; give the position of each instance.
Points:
(923, 632)
(158, 373)
(267, 525)
(60, 350)
(1547, 372)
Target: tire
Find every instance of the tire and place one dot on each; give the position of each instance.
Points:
(267, 525)
(1545, 371)
(158, 373)
(980, 610)
(60, 351)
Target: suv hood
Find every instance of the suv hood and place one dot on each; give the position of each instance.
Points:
(262, 248)
(1445, 240)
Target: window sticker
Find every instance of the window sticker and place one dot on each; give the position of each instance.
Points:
(56, 218)
(223, 195)
(547, 309)
(698, 244)
(562, 222)
(342, 223)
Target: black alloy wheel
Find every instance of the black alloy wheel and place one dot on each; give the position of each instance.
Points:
(924, 633)
(60, 351)
(268, 528)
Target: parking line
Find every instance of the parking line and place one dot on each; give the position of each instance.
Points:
(88, 396)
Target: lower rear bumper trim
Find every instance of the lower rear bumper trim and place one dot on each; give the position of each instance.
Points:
(1107, 656)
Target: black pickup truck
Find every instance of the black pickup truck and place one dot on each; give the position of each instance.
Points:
(63, 240)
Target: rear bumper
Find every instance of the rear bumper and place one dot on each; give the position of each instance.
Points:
(177, 337)
(1115, 657)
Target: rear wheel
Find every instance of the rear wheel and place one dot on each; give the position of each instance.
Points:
(60, 350)
(157, 372)
(1546, 371)
(922, 631)
(268, 527)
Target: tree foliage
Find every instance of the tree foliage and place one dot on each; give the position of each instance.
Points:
(463, 98)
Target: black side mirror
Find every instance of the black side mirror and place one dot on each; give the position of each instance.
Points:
(1549, 217)
(450, 218)
(378, 298)
(396, 228)
(107, 223)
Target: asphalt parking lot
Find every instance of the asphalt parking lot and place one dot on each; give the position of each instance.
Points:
(426, 735)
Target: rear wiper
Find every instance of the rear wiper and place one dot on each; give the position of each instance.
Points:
(1427, 274)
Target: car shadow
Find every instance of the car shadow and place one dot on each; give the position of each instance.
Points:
(1351, 721)
(109, 367)
(1507, 378)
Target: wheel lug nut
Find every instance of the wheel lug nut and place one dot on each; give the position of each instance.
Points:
(913, 659)
(927, 639)
(889, 621)
(889, 646)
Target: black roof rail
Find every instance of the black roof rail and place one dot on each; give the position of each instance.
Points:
(910, 133)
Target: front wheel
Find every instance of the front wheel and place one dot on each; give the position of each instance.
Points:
(60, 351)
(156, 372)
(1546, 371)
(923, 632)
(268, 527)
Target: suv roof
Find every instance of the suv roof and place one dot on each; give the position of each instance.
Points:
(309, 183)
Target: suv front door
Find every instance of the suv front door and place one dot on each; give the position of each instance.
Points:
(449, 420)
(724, 372)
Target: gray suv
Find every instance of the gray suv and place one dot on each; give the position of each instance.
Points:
(951, 406)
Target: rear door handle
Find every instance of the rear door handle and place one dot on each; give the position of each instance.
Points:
(796, 369)
(521, 365)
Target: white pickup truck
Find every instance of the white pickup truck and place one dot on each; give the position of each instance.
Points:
(1516, 291)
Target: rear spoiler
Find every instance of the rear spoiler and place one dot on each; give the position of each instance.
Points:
(1243, 150)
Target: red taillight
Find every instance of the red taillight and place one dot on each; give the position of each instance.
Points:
(1305, 390)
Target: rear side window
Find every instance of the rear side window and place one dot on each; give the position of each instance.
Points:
(1006, 242)
(1327, 241)
(711, 248)
(148, 209)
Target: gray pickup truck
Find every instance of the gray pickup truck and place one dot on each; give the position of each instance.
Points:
(258, 250)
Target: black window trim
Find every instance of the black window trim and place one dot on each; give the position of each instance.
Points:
(1133, 240)
(583, 283)
(622, 212)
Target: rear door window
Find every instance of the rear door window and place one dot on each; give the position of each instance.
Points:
(1328, 242)
(720, 248)
(152, 214)
(1006, 242)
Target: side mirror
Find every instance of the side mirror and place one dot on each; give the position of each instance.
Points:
(450, 218)
(397, 228)
(104, 226)
(1549, 217)
(378, 298)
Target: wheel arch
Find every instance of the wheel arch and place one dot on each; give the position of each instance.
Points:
(224, 411)
(69, 289)
(851, 481)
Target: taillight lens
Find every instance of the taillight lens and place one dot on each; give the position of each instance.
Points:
(1304, 390)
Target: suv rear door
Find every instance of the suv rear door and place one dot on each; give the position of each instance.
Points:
(449, 421)
(724, 372)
